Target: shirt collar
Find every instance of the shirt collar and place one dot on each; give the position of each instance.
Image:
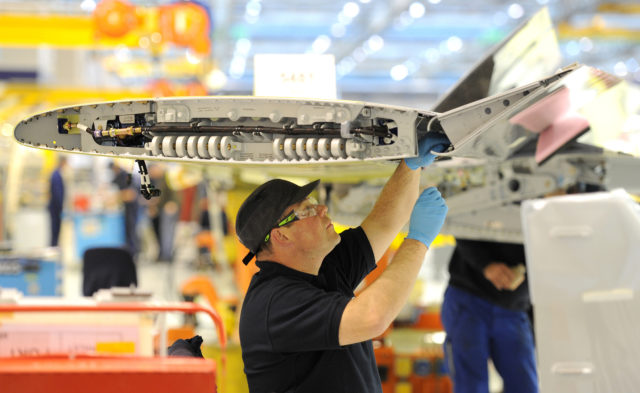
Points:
(274, 268)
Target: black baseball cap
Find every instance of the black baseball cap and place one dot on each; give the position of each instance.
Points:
(261, 211)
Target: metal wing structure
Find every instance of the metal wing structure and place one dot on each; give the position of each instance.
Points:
(518, 129)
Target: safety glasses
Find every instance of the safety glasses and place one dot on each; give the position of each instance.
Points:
(300, 213)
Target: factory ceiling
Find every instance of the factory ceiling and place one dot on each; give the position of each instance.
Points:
(397, 52)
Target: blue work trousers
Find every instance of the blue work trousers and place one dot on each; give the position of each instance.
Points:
(478, 330)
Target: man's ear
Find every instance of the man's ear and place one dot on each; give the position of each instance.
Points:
(280, 235)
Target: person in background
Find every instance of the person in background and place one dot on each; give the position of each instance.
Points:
(302, 328)
(485, 314)
(129, 197)
(163, 212)
(56, 200)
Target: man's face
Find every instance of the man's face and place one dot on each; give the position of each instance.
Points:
(312, 232)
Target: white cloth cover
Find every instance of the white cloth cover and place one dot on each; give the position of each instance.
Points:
(583, 257)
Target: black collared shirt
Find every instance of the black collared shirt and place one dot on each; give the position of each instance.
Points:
(467, 264)
(290, 320)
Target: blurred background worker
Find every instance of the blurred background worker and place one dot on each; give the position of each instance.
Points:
(129, 198)
(485, 314)
(56, 200)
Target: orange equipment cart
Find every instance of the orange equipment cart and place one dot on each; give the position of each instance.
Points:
(71, 373)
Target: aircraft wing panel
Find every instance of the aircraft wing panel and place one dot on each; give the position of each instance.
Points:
(230, 130)
(552, 111)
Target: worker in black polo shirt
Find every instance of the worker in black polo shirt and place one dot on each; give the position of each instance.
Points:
(301, 327)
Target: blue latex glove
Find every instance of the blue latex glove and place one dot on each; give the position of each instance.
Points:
(433, 141)
(427, 216)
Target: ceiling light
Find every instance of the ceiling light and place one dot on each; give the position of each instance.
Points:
(516, 11)
(620, 69)
(88, 5)
(351, 9)
(399, 72)
(253, 8)
(375, 43)
(416, 10)
(321, 44)
(434, 1)
(454, 44)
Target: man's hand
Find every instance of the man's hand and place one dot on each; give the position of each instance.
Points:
(500, 275)
(427, 217)
(432, 142)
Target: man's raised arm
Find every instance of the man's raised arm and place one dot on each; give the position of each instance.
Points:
(394, 205)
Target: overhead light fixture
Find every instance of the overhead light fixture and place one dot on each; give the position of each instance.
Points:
(321, 44)
(399, 72)
(416, 10)
(253, 8)
(375, 43)
(620, 69)
(252, 11)
(454, 44)
(88, 5)
(516, 11)
(351, 9)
